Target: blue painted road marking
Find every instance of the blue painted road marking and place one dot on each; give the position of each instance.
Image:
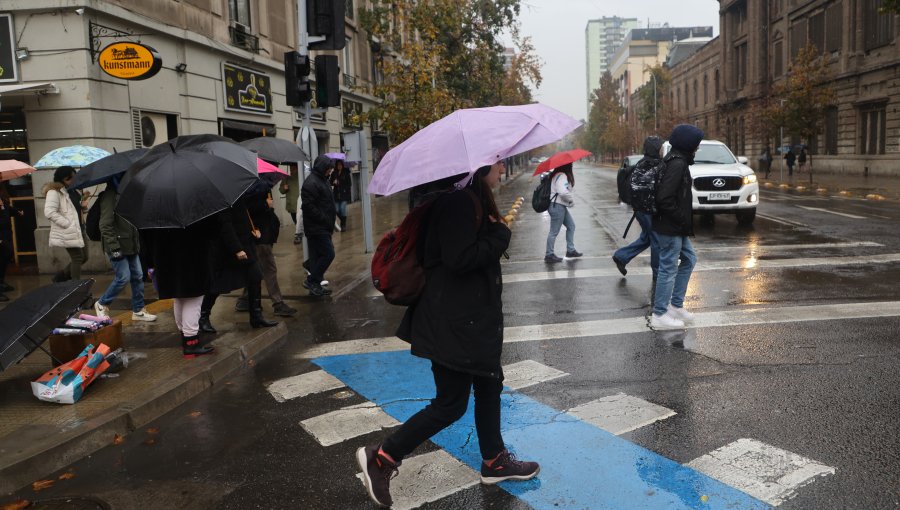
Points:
(582, 466)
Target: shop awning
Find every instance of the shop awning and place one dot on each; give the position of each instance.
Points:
(27, 89)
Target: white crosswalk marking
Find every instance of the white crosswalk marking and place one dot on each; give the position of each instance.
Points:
(347, 423)
(429, 477)
(303, 385)
(528, 373)
(765, 472)
(620, 413)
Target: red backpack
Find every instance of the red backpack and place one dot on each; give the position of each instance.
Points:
(397, 271)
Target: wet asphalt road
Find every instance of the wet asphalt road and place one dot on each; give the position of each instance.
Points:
(824, 388)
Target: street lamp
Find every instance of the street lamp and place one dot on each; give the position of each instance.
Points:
(781, 140)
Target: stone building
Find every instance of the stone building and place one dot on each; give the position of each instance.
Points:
(757, 42)
(211, 52)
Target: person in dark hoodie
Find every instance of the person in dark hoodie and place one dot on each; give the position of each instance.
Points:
(6, 238)
(319, 213)
(674, 224)
(622, 256)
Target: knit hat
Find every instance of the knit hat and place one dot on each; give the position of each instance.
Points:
(686, 137)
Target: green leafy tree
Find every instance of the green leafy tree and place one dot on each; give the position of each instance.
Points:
(890, 7)
(661, 121)
(607, 133)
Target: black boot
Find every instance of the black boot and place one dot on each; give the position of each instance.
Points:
(205, 325)
(256, 316)
(191, 347)
(343, 223)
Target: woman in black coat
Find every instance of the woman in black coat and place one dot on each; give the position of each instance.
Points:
(234, 265)
(341, 184)
(458, 325)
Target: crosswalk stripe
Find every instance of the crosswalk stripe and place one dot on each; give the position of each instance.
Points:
(352, 421)
(765, 472)
(528, 373)
(620, 413)
(609, 327)
(302, 385)
(829, 211)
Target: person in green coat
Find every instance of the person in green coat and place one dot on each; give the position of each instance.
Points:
(121, 243)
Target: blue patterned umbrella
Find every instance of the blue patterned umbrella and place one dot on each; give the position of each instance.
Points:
(73, 155)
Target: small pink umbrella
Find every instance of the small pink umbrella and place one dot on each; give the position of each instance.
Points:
(12, 169)
(466, 140)
(263, 168)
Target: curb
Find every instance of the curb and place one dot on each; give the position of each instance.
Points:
(53, 448)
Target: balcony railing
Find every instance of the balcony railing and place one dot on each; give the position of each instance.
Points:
(243, 39)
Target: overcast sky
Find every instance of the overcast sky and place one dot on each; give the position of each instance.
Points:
(557, 31)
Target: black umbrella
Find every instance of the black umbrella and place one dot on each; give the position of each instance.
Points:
(104, 169)
(185, 180)
(275, 150)
(26, 322)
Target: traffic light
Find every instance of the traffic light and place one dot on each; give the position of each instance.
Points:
(328, 89)
(296, 82)
(326, 18)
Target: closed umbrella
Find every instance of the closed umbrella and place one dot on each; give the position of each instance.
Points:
(104, 169)
(561, 158)
(26, 322)
(13, 169)
(185, 180)
(73, 155)
(275, 150)
(466, 140)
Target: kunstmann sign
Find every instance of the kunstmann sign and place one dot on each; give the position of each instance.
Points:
(246, 90)
(130, 61)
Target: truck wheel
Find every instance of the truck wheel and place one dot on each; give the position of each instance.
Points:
(746, 217)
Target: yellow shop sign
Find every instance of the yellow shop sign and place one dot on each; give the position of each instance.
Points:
(130, 61)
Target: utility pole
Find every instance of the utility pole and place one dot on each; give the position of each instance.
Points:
(781, 141)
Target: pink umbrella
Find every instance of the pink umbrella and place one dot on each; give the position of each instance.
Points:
(466, 140)
(11, 169)
(263, 167)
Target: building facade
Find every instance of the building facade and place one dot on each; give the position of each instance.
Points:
(602, 37)
(213, 53)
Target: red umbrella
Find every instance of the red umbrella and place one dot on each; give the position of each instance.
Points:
(561, 158)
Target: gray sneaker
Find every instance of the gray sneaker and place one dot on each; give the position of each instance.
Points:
(283, 310)
(377, 473)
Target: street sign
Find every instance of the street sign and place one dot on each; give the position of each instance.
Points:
(129, 61)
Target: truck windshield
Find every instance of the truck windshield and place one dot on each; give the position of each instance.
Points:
(713, 154)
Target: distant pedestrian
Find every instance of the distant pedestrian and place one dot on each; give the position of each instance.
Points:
(319, 214)
(341, 185)
(561, 183)
(290, 188)
(62, 208)
(674, 225)
(180, 261)
(789, 159)
(457, 324)
(7, 253)
(122, 246)
(765, 161)
(802, 159)
(648, 239)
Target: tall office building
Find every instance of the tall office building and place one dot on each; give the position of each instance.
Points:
(602, 37)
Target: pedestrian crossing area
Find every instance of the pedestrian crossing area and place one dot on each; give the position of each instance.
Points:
(585, 460)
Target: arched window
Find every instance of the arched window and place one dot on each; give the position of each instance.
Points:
(705, 89)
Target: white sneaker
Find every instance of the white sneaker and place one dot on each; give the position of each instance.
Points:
(680, 313)
(324, 283)
(665, 321)
(143, 315)
(102, 311)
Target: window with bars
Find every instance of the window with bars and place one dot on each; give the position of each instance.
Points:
(834, 27)
(705, 89)
(872, 129)
(798, 37)
(696, 94)
(740, 65)
(817, 31)
(878, 28)
(778, 58)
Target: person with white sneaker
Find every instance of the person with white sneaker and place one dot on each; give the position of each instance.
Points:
(121, 243)
(674, 226)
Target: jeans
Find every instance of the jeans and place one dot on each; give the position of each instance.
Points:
(453, 389)
(321, 255)
(341, 208)
(127, 268)
(672, 282)
(648, 239)
(559, 216)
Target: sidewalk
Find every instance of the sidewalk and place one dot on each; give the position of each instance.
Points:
(871, 187)
(37, 438)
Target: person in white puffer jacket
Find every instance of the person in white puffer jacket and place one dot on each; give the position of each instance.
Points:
(65, 220)
(562, 182)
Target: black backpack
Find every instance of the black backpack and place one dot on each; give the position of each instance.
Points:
(623, 183)
(643, 180)
(92, 222)
(541, 199)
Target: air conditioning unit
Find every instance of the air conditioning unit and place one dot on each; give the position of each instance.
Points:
(150, 128)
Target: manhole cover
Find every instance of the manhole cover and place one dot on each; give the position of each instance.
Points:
(72, 503)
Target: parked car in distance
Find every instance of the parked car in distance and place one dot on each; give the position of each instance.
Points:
(630, 161)
(723, 183)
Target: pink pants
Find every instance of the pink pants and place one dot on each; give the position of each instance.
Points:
(187, 315)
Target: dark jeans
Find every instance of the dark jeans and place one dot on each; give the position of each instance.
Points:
(321, 255)
(453, 390)
(6, 256)
(648, 239)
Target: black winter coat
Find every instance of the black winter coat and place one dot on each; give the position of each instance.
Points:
(341, 184)
(319, 211)
(180, 258)
(264, 217)
(6, 213)
(232, 235)
(675, 215)
(458, 321)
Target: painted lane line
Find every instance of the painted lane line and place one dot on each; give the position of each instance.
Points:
(620, 413)
(706, 266)
(302, 385)
(353, 421)
(528, 373)
(853, 216)
(582, 466)
(429, 477)
(789, 223)
(765, 472)
(612, 327)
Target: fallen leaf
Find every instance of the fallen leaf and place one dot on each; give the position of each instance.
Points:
(251, 362)
(42, 484)
(153, 431)
(16, 505)
(117, 439)
(67, 476)
(195, 414)
(150, 441)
